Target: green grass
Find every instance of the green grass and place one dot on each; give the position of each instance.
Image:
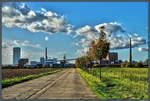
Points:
(118, 83)
(13, 81)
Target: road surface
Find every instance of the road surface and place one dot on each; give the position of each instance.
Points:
(66, 84)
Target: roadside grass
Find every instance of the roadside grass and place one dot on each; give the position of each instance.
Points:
(13, 81)
(111, 88)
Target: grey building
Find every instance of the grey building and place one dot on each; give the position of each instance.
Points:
(16, 55)
(111, 58)
(42, 60)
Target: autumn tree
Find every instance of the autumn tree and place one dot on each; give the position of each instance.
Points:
(99, 49)
(77, 62)
(81, 62)
(88, 62)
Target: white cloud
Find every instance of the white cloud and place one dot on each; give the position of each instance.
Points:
(110, 28)
(115, 34)
(46, 38)
(86, 31)
(123, 41)
(142, 49)
(7, 49)
(14, 15)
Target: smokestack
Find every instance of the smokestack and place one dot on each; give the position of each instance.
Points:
(46, 52)
(130, 52)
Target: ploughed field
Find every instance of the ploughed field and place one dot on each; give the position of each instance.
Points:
(118, 83)
(13, 73)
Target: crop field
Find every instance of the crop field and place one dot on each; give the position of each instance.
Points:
(118, 83)
(15, 76)
(12, 73)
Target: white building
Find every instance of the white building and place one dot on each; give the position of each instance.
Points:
(16, 55)
(48, 61)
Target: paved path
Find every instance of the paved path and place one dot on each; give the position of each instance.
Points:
(66, 84)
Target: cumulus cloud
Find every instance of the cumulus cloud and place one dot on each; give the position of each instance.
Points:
(7, 49)
(46, 38)
(110, 28)
(15, 15)
(142, 49)
(86, 31)
(16, 43)
(123, 41)
(115, 34)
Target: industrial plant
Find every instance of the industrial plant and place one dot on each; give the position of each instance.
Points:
(112, 58)
(45, 61)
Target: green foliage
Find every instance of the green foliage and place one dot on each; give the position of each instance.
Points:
(10, 82)
(123, 65)
(126, 65)
(139, 64)
(119, 83)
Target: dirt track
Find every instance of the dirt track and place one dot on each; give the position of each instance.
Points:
(66, 84)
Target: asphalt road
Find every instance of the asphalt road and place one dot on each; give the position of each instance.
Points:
(66, 84)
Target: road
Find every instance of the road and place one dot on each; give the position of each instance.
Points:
(66, 84)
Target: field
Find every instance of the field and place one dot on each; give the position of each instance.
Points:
(12, 73)
(14, 76)
(118, 83)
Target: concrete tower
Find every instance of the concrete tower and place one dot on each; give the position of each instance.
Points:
(16, 55)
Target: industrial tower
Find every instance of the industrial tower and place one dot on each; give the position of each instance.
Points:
(130, 54)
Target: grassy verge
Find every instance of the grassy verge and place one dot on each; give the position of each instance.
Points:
(13, 81)
(110, 88)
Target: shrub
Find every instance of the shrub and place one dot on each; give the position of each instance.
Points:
(139, 64)
(123, 65)
(128, 64)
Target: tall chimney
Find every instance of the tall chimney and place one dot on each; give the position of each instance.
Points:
(46, 52)
(130, 51)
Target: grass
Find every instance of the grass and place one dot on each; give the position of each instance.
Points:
(117, 84)
(16, 80)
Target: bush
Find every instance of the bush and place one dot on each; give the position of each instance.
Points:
(123, 65)
(139, 64)
(126, 65)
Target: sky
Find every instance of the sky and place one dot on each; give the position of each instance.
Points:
(69, 27)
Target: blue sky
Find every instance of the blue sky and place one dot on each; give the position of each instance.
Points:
(133, 17)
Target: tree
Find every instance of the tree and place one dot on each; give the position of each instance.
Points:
(77, 62)
(99, 50)
(139, 65)
(81, 62)
(88, 62)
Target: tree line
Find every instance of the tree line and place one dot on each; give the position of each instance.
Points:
(98, 50)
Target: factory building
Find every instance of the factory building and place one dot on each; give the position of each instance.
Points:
(23, 61)
(111, 58)
(48, 61)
